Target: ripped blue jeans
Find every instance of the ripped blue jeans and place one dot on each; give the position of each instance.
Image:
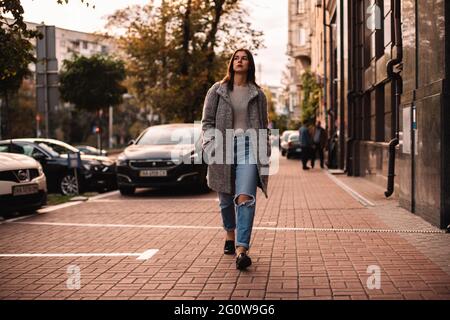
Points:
(241, 216)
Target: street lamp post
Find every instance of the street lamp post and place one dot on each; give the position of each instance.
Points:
(110, 129)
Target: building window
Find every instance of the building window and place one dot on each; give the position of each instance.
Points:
(379, 114)
(85, 45)
(300, 6)
(379, 29)
(301, 37)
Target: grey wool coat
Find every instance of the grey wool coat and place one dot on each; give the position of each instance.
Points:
(218, 115)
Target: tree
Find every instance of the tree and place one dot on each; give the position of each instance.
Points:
(92, 84)
(311, 91)
(16, 54)
(177, 50)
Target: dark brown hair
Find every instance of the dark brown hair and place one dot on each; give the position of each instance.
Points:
(251, 78)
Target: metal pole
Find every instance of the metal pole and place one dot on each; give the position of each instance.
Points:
(46, 82)
(1, 123)
(110, 127)
(325, 60)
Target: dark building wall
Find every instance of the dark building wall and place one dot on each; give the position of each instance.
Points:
(369, 93)
(421, 167)
(365, 101)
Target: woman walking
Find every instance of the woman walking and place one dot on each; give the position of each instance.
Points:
(237, 105)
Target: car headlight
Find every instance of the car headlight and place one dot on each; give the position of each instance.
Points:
(107, 163)
(121, 161)
(40, 171)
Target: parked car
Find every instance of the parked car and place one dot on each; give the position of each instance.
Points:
(284, 141)
(23, 185)
(95, 172)
(92, 151)
(155, 159)
(293, 145)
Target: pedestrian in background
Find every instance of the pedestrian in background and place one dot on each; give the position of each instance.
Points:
(237, 103)
(306, 144)
(320, 141)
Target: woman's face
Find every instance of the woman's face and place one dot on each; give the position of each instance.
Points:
(240, 62)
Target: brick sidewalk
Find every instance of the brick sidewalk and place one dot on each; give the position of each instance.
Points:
(312, 240)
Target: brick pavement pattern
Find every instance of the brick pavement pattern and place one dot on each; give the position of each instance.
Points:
(312, 240)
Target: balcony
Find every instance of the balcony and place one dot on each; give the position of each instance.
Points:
(300, 52)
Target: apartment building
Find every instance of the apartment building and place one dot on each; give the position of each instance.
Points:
(298, 50)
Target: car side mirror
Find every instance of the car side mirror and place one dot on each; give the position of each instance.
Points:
(131, 142)
(40, 157)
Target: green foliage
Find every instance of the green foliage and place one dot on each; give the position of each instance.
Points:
(92, 83)
(22, 112)
(129, 120)
(270, 104)
(280, 122)
(178, 49)
(311, 91)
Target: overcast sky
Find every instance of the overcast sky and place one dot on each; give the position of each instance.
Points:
(267, 15)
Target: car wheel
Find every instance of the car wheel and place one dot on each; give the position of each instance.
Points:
(127, 191)
(68, 185)
(288, 155)
(283, 153)
(30, 210)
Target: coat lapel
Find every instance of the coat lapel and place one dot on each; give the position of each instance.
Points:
(223, 92)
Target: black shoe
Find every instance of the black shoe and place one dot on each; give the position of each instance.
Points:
(229, 247)
(243, 261)
(305, 168)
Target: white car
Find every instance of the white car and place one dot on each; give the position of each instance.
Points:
(23, 186)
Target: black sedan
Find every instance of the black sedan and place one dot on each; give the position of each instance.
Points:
(94, 173)
(92, 151)
(163, 156)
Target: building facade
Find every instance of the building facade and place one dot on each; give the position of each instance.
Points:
(386, 72)
(299, 51)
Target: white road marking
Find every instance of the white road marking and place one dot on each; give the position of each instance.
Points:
(147, 254)
(70, 204)
(140, 256)
(351, 192)
(147, 226)
(95, 225)
(104, 195)
(153, 200)
(60, 206)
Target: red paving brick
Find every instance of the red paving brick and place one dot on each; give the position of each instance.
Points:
(318, 263)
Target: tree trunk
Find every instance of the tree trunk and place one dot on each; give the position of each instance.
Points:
(5, 116)
(186, 60)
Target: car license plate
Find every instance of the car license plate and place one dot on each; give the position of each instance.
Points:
(24, 190)
(298, 149)
(153, 173)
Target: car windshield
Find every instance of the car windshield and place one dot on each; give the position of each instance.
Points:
(169, 136)
(293, 137)
(286, 135)
(55, 149)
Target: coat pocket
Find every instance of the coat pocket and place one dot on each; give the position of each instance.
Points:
(208, 149)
